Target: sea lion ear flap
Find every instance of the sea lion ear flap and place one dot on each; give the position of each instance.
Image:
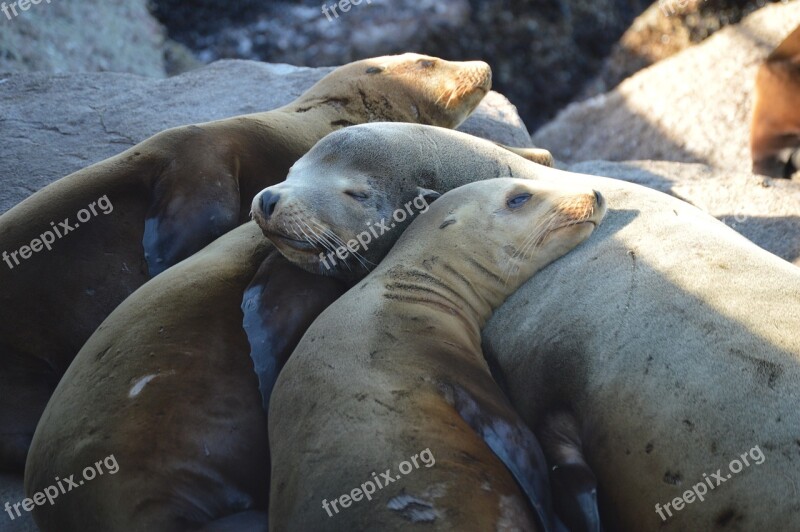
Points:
(427, 195)
(187, 215)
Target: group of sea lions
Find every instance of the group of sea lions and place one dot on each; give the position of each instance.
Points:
(243, 385)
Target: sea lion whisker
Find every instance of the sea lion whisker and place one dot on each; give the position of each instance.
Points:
(537, 232)
(362, 259)
(343, 244)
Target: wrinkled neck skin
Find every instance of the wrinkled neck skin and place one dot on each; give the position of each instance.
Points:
(445, 297)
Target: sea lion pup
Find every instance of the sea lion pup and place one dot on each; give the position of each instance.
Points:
(775, 131)
(395, 367)
(166, 386)
(166, 198)
(669, 334)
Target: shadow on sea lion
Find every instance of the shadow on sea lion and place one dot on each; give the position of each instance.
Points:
(87, 241)
(395, 366)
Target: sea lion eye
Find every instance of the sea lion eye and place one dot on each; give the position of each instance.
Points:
(426, 63)
(518, 201)
(375, 70)
(360, 196)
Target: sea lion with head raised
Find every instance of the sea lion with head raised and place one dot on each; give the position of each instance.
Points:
(166, 198)
(775, 130)
(671, 338)
(395, 367)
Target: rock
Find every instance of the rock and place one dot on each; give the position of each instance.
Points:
(542, 52)
(692, 107)
(767, 211)
(53, 125)
(84, 36)
(11, 492)
(664, 29)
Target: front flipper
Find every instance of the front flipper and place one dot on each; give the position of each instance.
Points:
(534, 155)
(515, 445)
(574, 483)
(279, 305)
(195, 200)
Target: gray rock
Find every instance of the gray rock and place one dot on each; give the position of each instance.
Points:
(692, 107)
(766, 211)
(11, 492)
(53, 125)
(82, 36)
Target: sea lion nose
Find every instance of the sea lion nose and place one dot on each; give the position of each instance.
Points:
(268, 202)
(598, 197)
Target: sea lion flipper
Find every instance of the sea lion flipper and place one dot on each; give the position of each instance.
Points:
(516, 446)
(280, 303)
(574, 484)
(185, 215)
(534, 155)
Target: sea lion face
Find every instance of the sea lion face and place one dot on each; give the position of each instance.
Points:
(329, 201)
(411, 88)
(342, 227)
(510, 227)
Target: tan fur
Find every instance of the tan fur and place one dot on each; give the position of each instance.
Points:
(534, 155)
(363, 390)
(670, 336)
(201, 179)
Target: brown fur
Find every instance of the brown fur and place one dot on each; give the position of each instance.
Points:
(190, 184)
(775, 132)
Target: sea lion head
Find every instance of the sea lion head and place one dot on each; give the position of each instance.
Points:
(499, 232)
(405, 88)
(329, 200)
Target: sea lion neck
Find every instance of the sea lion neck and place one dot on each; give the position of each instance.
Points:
(442, 289)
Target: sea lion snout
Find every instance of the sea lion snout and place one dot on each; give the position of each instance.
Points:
(268, 200)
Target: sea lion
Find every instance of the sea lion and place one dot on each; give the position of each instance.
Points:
(166, 385)
(775, 131)
(164, 199)
(364, 195)
(671, 338)
(395, 367)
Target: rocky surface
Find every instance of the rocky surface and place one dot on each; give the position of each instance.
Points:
(542, 52)
(692, 107)
(55, 125)
(664, 29)
(767, 211)
(82, 36)
(11, 492)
